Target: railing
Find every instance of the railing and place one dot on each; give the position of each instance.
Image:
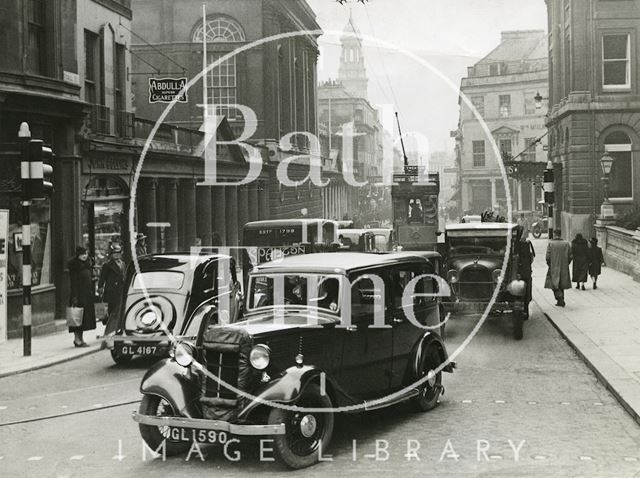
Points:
(99, 119)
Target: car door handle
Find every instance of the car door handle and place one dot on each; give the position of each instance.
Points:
(351, 328)
(398, 320)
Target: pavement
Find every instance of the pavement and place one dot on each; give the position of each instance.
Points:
(601, 325)
(46, 350)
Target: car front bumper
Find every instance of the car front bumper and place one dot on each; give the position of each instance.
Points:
(204, 424)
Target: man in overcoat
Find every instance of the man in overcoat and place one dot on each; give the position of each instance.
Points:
(112, 280)
(558, 259)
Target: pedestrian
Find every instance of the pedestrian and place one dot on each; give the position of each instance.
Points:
(580, 252)
(524, 224)
(526, 254)
(81, 293)
(596, 261)
(558, 259)
(111, 284)
(141, 244)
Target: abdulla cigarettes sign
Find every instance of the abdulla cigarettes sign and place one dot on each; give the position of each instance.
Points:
(165, 90)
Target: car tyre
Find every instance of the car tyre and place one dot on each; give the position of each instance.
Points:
(518, 324)
(307, 434)
(430, 389)
(153, 435)
(120, 359)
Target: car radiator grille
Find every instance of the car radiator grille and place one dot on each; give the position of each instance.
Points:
(476, 284)
(223, 366)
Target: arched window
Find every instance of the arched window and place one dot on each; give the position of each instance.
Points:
(618, 144)
(221, 80)
(219, 29)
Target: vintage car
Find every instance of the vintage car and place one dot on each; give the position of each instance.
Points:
(171, 295)
(474, 254)
(322, 333)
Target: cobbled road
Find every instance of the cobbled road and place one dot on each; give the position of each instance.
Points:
(512, 408)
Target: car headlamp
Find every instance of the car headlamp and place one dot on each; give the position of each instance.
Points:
(496, 275)
(517, 288)
(183, 354)
(452, 276)
(260, 356)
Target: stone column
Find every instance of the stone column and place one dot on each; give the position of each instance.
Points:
(465, 194)
(263, 195)
(231, 194)
(171, 201)
(147, 204)
(219, 208)
(254, 212)
(204, 218)
(493, 192)
(519, 186)
(243, 209)
(189, 212)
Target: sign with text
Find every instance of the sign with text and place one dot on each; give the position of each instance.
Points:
(165, 90)
(4, 260)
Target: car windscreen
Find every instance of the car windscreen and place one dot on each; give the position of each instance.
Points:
(158, 280)
(477, 245)
(306, 290)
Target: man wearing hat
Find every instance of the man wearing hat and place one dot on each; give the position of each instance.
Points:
(111, 282)
(141, 244)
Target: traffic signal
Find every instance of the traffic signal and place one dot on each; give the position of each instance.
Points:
(37, 173)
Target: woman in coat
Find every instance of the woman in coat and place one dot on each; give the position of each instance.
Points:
(81, 293)
(580, 253)
(596, 261)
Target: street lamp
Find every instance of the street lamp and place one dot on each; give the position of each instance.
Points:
(538, 100)
(606, 162)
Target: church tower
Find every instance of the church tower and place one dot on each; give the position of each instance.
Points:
(352, 72)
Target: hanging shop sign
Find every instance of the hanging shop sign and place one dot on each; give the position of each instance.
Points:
(165, 90)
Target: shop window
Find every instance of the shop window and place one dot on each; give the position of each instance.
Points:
(616, 59)
(619, 147)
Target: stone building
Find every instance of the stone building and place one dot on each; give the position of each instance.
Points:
(502, 87)
(594, 106)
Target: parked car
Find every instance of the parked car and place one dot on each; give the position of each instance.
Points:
(474, 254)
(172, 294)
(306, 340)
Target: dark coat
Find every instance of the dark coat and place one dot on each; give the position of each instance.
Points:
(580, 252)
(596, 260)
(526, 254)
(112, 279)
(558, 259)
(81, 291)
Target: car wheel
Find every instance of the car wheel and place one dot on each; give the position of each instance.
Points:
(518, 324)
(307, 433)
(154, 436)
(120, 359)
(430, 389)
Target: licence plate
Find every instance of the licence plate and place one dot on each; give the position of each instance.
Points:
(194, 434)
(126, 349)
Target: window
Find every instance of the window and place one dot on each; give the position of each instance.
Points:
(618, 145)
(91, 67)
(530, 103)
(529, 153)
(221, 84)
(36, 51)
(478, 104)
(506, 148)
(505, 106)
(478, 153)
(120, 88)
(493, 69)
(616, 55)
(219, 29)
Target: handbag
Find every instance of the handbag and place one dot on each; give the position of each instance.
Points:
(101, 310)
(74, 316)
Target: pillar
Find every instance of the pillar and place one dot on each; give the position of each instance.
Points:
(243, 209)
(263, 195)
(204, 217)
(231, 199)
(189, 212)
(171, 235)
(519, 187)
(493, 192)
(219, 207)
(147, 204)
(254, 212)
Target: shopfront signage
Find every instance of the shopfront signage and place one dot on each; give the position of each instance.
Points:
(165, 90)
(4, 260)
(107, 166)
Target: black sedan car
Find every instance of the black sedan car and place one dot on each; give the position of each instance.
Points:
(322, 333)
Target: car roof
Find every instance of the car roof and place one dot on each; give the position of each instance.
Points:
(285, 222)
(487, 226)
(180, 261)
(337, 262)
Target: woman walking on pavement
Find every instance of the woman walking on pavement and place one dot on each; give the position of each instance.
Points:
(596, 262)
(81, 293)
(580, 252)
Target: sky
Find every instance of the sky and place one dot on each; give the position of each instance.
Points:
(449, 35)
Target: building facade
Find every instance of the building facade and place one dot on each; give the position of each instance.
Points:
(502, 87)
(594, 106)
